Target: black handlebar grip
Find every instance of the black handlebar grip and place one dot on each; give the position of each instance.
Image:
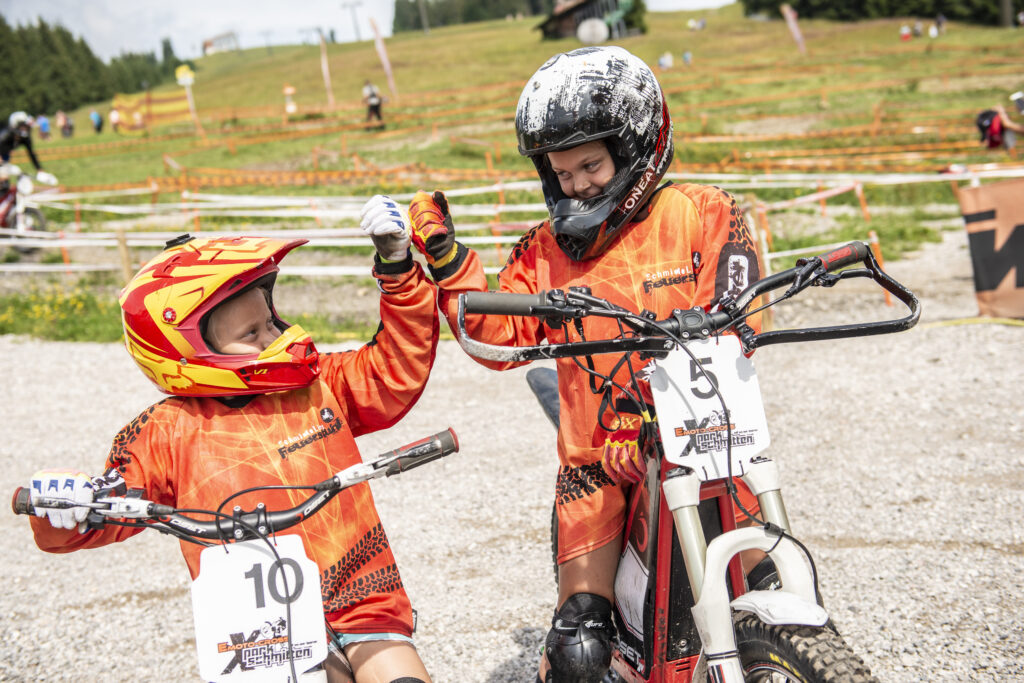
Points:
(423, 451)
(21, 503)
(844, 256)
(504, 303)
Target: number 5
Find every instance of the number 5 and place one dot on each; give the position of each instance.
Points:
(696, 375)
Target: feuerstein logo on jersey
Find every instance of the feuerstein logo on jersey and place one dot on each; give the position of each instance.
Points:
(265, 647)
(331, 424)
(669, 277)
(709, 434)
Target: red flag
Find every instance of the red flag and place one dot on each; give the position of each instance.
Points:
(383, 53)
(790, 16)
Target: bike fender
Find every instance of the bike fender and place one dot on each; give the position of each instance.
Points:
(781, 607)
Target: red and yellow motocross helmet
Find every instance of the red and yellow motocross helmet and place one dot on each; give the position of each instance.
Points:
(164, 305)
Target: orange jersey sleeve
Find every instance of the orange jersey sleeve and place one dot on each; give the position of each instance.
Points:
(195, 452)
(690, 248)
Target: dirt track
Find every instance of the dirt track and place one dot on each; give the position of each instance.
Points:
(902, 457)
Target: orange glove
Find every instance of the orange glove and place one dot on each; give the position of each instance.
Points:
(432, 231)
(623, 459)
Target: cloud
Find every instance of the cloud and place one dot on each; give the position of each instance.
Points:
(112, 27)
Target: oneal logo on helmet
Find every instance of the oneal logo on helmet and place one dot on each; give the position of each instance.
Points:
(637, 193)
(311, 435)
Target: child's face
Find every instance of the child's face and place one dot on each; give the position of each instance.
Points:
(243, 325)
(583, 171)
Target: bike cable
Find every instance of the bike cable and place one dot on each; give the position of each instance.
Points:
(731, 486)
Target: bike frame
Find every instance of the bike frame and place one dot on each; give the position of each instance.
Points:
(695, 572)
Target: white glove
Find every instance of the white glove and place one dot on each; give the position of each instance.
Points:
(74, 487)
(46, 178)
(383, 221)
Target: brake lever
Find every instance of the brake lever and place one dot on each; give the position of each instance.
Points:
(826, 280)
(810, 272)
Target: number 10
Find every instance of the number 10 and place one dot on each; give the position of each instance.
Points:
(256, 574)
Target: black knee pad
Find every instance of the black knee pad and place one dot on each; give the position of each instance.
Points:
(408, 679)
(579, 644)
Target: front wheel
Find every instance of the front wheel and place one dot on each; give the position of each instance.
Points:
(31, 219)
(801, 654)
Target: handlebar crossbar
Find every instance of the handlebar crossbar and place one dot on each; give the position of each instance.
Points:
(661, 335)
(242, 525)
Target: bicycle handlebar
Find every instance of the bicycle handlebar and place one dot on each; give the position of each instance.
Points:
(661, 335)
(242, 525)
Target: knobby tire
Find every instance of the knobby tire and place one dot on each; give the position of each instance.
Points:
(776, 653)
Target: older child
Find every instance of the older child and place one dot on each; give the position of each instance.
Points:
(596, 125)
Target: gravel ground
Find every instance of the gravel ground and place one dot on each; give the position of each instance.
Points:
(901, 456)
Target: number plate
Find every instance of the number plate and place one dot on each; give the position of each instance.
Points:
(239, 601)
(690, 415)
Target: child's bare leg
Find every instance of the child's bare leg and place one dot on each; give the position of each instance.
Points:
(593, 573)
(384, 661)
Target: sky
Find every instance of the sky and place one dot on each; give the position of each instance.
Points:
(112, 27)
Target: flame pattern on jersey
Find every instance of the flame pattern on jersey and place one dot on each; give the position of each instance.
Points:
(195, 452)
(690, 248)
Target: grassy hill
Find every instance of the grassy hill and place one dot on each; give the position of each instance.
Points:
(747, 78)
(860, 100)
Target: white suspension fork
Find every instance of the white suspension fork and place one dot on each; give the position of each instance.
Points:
(706, 566)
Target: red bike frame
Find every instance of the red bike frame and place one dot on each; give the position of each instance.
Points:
(671, 646)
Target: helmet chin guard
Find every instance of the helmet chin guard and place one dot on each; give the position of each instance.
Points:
(596, 93)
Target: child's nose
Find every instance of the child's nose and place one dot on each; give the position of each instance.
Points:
(267, 338)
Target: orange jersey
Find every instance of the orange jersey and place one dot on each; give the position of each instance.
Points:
(691, 247)
(195, 452)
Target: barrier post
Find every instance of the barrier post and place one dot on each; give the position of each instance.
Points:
(344, 145)
(859, 189)
(316, 216)
(78, 217)
(762, 217)
(767, 317)
(490, 163)
(876, 249)
(126, 259)
(821, 187)
(64, 252)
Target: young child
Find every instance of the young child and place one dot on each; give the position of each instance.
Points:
(596, 125)
(253, 404)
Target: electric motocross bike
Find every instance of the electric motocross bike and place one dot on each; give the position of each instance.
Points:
(684, 609)
(257, 602)
(17, 217)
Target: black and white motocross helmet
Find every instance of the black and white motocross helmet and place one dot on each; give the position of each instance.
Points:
(20, 123)
(596, 93)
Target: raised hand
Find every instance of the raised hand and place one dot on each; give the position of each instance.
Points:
(432, 231)
(382, 220)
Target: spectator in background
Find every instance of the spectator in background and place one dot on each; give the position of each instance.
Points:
(68, 127)
(44, 127)
(940, 23)
(687, 58)
(60, 119)
(904, 32)
(115, 120)
(373, 101)
(97, 121)
(1010, 128)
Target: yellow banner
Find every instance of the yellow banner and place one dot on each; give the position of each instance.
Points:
(139, 112)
